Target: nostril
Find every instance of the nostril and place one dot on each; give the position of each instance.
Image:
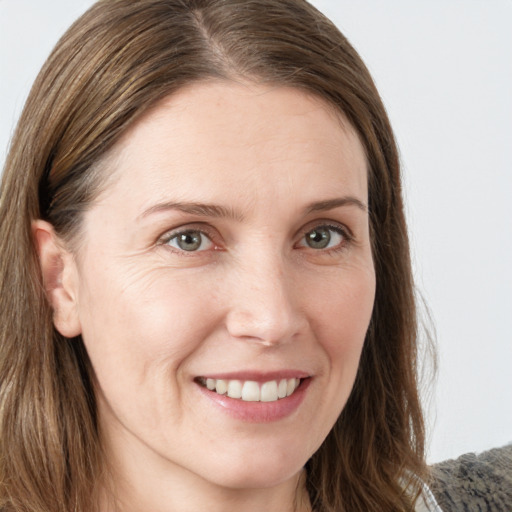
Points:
(268, 329)
(263, 306)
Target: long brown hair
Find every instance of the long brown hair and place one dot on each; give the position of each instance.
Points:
(113, 64)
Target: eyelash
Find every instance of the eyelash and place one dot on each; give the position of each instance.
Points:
(347, 238)
(173, 235)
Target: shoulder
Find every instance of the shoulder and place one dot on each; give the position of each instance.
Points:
(427, 502)
(475, 481)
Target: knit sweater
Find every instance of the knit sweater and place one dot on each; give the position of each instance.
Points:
(475, 483)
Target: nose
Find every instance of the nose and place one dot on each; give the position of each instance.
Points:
(265, 303)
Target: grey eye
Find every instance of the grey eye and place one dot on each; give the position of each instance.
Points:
(323, 237)
(190, 241)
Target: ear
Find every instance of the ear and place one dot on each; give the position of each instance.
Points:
(60, 278)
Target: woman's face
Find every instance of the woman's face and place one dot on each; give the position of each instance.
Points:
(230, 251)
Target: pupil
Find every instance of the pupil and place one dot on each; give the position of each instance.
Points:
(319, 238)
(189, 241)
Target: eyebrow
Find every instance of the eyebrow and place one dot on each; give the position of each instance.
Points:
(219, 211)
(200, 209)
(331, 204)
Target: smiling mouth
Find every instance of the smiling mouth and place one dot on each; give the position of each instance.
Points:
(252, 391)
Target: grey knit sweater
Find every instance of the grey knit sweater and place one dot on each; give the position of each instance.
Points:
(475, 483)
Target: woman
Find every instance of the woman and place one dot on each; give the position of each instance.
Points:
(206, 293)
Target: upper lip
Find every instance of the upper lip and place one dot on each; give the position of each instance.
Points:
(258, 376)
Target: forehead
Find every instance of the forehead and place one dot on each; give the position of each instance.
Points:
(208, 138)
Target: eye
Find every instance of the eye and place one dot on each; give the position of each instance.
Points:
(190, 241)
(324, 237)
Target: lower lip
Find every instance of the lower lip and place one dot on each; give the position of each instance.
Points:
(258, 412)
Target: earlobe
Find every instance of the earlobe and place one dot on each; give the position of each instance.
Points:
(60, 278)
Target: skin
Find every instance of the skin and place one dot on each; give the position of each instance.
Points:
(254, 296)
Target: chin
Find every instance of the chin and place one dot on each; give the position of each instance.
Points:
(255, 473)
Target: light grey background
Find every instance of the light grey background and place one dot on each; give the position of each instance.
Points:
(444, 70)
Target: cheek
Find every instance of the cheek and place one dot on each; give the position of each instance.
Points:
(342, 315)
(140, 332)
(345, 304)
(339, 316)
(141, 324)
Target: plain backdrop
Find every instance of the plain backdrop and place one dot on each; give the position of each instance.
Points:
(444, 70)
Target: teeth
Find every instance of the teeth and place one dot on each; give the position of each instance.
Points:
(221, 386)
(281, 390)
(234, 389)
(269, 391)
(251, 391)
(291, 385)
